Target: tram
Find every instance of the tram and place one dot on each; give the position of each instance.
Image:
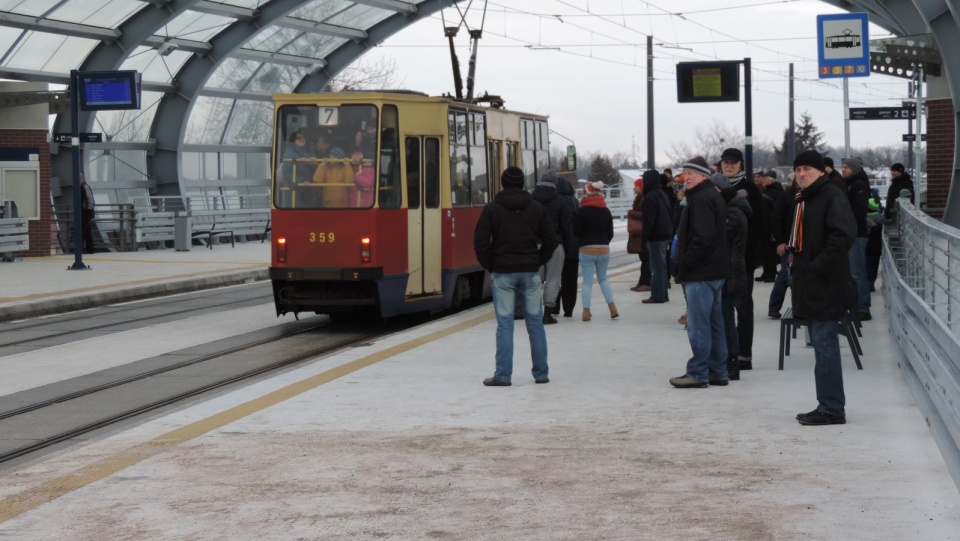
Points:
(376, 195)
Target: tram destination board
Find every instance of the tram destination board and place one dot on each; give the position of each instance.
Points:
(882, 113)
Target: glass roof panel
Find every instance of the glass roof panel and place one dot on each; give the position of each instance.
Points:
(233, 74)
(35, 8)
(360, 17)
(195, 26)
(313, 45)
(249, 4)
(8, 37)
(154, 66)
(102, 13)
(272, 39)
(129, 126)
(207, 120)
(274, 78)
(50, 52)
(251, 124)
(321, 10)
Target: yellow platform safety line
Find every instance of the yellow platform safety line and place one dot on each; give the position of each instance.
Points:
(17, 504)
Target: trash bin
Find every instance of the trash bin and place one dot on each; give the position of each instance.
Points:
(182, 232)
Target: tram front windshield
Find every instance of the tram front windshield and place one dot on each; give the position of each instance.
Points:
(326, 157)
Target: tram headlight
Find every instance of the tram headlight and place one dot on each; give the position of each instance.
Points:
(365, 250)
(281, 250)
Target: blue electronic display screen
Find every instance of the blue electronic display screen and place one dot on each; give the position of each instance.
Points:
(107, 90)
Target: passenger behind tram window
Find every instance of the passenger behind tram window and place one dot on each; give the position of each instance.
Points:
(361, 195)
(293, 169)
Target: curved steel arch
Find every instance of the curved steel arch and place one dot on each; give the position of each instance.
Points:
(942, 19)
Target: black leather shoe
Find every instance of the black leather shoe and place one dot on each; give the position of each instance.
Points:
(821, 418)
(865, 316)
(807, 414)
(548, 319)
(492, 382)
(746, 363)
(542, 380)
(720, 382)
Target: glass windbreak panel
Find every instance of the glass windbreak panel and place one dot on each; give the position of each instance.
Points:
(412, 155)
(232, 166)
(132, 125)
(211, 166)
(326, 156)
(207, 120)
(103, 13)
(258, 166)
(431, 171)
(190, 165)
(116, 165)
(250, 124)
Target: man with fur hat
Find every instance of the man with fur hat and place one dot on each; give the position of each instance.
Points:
(731, 163)
(822, 232)
(858, 193)
(545, 193)
(657, 233)
(513, 238)
(702, 266)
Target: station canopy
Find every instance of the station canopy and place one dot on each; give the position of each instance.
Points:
(209, 70)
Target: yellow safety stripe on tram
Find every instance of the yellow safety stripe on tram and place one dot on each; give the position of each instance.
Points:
(17, 504)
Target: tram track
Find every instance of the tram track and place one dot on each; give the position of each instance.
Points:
(37, 422)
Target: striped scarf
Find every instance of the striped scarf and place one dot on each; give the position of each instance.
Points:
(795, 244)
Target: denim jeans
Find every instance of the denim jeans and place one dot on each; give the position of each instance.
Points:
(658, 270)
(828, 372)
(857, 257)
(705, 331)
(779, 292)
(727, 302)
(587, 265)
(526, 286)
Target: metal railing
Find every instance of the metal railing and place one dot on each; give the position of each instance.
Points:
(206, 202)
(921, 288)
(114, 228)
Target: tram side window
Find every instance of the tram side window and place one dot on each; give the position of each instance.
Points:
(534, 155)
(479, 179)
(413, 172)
(431, 170)
(459, 159)
(389, 184)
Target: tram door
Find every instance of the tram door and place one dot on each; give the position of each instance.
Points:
(423, 215)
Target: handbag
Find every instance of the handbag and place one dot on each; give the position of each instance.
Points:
(634, 226)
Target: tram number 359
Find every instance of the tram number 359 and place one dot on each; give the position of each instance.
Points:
(321, 237)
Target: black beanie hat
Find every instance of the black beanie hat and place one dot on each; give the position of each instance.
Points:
(810, 158)
(651, 178)
(732, 154)
(898, 167)
(512, 177)
(828, 162)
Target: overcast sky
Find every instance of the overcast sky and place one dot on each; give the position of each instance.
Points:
(583, 62)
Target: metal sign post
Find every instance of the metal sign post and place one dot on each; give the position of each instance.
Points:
(75, 148)
(843, 52)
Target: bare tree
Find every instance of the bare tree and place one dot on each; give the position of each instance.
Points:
(362, 75)
(708, 142)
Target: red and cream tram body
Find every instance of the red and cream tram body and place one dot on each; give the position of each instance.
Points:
(376, 196)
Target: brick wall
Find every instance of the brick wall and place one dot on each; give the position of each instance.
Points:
(39, 229)
(940, 147)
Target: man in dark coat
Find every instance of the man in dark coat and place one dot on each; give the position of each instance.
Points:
(545, 193)
(821, 236)
(731, 162)
(770, 191)
(703, 265)
(858, 193)
(738, 211)
(901, 186)
(834, 175)
(87, 215)
(780, 230)
(657, 233)
(571, 256)
(513, 238)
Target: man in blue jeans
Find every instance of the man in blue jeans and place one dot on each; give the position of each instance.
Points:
(513, 238)
(821, 234)
(702, 266)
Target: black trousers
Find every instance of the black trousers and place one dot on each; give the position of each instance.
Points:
(644, 269)
(86, 221)
(567, 298)
(744, 307)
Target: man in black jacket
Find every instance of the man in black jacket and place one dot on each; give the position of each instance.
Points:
(770, 191)
(858, 193)
(835, 177)
(731, 161)
(703, 265)
(513, 238)
(821, 236)
(657, 233)
(900, 186)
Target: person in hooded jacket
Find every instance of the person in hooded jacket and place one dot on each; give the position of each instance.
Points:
(738, 210)
(513, 238)
(900, 186)
(858, 193)
(545, 193)
(594, 230)
(635, 242)
(780, 230)
(567, 297)
(657, 233)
